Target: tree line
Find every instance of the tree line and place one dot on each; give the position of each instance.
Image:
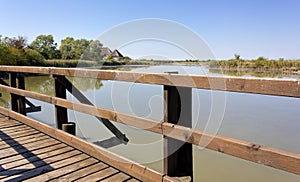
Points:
(17, 50)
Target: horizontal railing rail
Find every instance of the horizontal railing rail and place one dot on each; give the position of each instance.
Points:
(275, 158)
(268, 86)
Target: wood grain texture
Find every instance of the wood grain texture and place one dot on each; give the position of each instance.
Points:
(131, 168)
(272, 159)
(269, 86)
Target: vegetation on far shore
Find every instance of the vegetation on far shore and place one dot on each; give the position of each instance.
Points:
(43, 51)
(260, 64)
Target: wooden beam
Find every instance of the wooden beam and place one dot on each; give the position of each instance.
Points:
(32, 107)
(13, 97)
(21, 99)
(268, 86)
(178, 155)
(76, 93)
(61, 113)
(69, 127)
(275, 158)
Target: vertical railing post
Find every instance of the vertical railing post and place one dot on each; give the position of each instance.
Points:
(61, 113)
(178, 156)
(13, 97)
(21, 104)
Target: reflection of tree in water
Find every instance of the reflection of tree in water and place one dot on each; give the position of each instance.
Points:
(40, 84)
(84, 84)
(4, 100)
(45, 84)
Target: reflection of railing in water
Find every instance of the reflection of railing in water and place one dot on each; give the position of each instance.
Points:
(174, 133)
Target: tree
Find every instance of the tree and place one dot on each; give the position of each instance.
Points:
(33, 58)
(46, 46)
(237, 56)
(5, 55)
(19, 43)
(93, 51)
(80, 45)
(73, 49)
(67, 48)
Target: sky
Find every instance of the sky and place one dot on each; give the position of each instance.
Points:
(250, 28)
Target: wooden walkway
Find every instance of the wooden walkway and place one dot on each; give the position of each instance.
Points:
(30, 155)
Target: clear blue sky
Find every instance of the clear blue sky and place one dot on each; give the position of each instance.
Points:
(251, 28)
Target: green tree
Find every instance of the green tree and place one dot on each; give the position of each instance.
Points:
(73, 49)
(46, 46)
(33, 58)
(80, 46)
(5, 55)
(93, 51)
(67, 48)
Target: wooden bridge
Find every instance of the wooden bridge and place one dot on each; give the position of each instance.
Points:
(31, 150)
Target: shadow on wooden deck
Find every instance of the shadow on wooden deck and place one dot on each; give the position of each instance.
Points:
(25, 153)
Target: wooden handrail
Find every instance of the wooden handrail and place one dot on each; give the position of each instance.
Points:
(132, 168)
(278, 87)
(260, 154)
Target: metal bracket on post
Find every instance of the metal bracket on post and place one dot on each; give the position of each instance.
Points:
(178, 155)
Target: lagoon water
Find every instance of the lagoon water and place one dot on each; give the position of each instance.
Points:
(266, 120)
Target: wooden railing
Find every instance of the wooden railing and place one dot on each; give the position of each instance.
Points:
(181, 135)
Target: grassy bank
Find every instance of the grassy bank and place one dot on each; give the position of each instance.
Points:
(258, 65)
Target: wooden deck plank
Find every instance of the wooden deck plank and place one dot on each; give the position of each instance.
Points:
(46, 168)
(29, 154)
(82, 172)
(32, 153)
(16, 128)
(19, 134)
(6, 136)
(132, 180)
(99, 175)
(20, 139)
(20, 170)
(64, 170)
(35, 158)
(9, 121)
(3, 118)
(23, 142)
(9, 125)
(27, 147)
(119, 177)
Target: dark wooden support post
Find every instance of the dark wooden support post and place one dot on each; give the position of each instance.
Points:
(32, 107)
(178, 156)
(76, 93)
(61, 113)
(69, 127)
(20, 82)
(13, 97)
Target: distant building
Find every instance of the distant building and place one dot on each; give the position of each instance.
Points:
(105, 52)
(116, 54)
